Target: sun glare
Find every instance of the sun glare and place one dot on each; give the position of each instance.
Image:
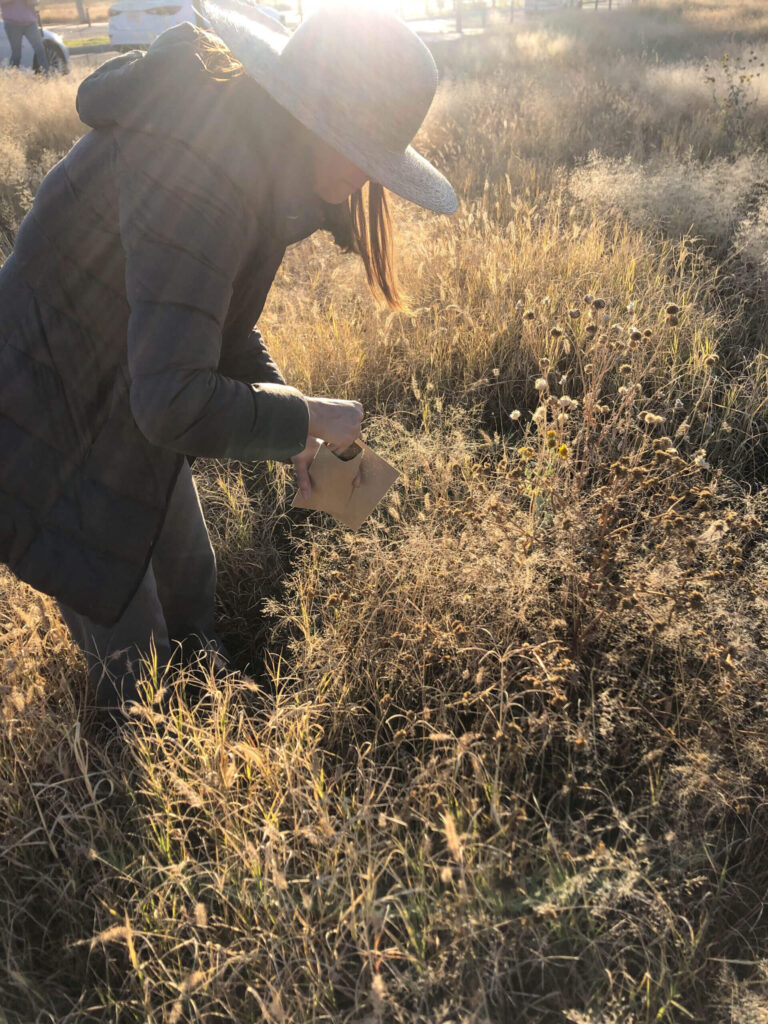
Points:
(401, 7)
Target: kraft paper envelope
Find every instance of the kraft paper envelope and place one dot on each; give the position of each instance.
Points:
(332, 489)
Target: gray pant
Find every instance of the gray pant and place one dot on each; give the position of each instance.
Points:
(174, 601)
(16, 33)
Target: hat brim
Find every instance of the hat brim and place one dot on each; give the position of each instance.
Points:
(258, 45)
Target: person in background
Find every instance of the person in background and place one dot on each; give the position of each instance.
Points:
(20, 21)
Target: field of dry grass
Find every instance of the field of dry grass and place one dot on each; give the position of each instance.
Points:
(514, 761)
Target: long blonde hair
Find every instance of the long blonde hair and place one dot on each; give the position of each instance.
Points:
(362, 225)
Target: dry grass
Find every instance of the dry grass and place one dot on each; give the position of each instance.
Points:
(38, 124)
(514, 762)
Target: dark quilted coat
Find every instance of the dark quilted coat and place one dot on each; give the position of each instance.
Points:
(127, 312)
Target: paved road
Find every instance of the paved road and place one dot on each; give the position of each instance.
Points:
(70, 32)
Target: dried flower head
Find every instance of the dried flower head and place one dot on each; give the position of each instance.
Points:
(541, 384)
(529, 315)
(672, 309)
(683, 429)
(625, 368)
(574, 313)
(555, 332)
(588, 300)
(515, 415)
(672, 321)
(591, 329)
(598, 303)
(635, 334)
(711, 359)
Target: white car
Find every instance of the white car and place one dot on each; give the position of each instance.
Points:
(55, 48)
(136, 23)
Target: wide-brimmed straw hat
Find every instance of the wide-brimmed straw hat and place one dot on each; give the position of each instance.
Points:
(361, 79)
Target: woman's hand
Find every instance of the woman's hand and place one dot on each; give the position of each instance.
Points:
(335, 420)
(301, 464)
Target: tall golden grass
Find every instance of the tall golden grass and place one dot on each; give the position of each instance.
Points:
(512, 764)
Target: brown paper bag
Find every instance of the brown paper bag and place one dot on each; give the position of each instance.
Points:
(332, 489)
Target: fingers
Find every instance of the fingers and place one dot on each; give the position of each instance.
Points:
(302, 479)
